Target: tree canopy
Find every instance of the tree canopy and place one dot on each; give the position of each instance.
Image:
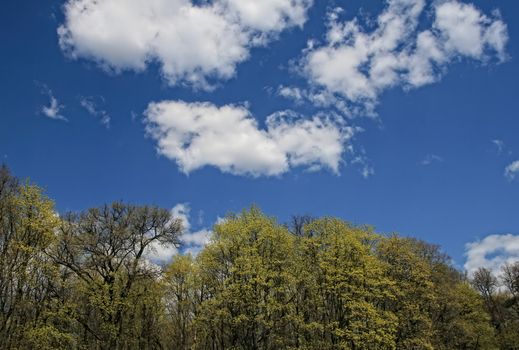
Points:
(85, 281)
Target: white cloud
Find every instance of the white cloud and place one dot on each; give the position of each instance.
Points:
(357, 65)
(191, 42)
(194, 242)
(221, 220)
(268, 15)
(229, 138)
(90, 105)
(318, 97)
(511, 170)
(492, 252)
(292, 92)
(367, 171)
(160, 254)
(431, 158)
(181, 212)
(366, 168)
(54, 108)
(466, 31)
(191, 242)
(499, 144)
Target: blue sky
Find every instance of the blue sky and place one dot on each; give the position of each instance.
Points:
(399, 114)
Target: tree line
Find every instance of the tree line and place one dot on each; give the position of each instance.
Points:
(86, 281)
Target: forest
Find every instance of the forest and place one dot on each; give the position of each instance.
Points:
(84, 281)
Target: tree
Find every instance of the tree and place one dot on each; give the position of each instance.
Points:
(182, 298)
(345, 289)
(105, 250)
(414, 292)
(246, 281)
(500, 303)
(27, 225)
(88, 281)
(297, 224)
(511, 280)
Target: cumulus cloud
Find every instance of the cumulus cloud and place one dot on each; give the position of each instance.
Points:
(54, 108)
(357, 65)
(191, 242)
(492, 253)
(192, 41)
(160, 254)
(511, 170)
(91, 106)
(466, 31)
(229, 138)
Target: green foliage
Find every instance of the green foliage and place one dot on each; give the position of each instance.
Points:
(117, 299)
(27, 224)
(414, 292)
(501, 303)
(48, 337)
(84, 281)
(246, 280)
(345, 289)
(181, 297)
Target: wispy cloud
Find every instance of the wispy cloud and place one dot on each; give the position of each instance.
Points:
(91, 106)
(53, 109)
(366, 168)
(500, 145)
(511, 170)
(430, 159)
